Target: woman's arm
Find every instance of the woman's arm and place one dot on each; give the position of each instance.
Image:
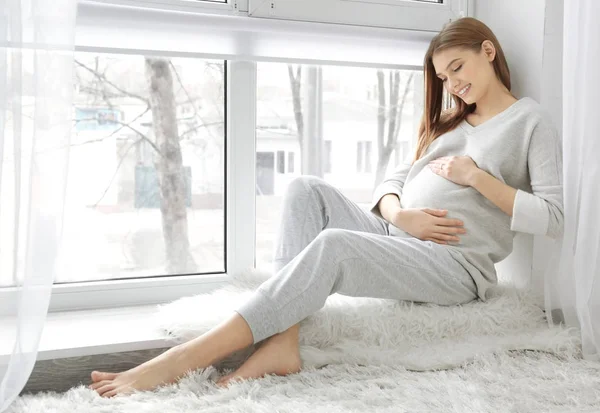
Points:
(501, 195)
(540, 212)
(392, 184)
(389, 206)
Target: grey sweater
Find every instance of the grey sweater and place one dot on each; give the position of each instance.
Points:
(520, 147)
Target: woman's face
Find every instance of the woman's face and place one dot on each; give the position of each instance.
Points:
(464, 73)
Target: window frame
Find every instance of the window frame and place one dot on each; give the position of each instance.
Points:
(395, 14)
(239, 227)
(240, 210)
(229, 7)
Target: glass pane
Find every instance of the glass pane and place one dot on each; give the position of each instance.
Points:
(145, 195)
(352, 159)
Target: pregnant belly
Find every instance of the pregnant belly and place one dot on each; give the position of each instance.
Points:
(428, 190)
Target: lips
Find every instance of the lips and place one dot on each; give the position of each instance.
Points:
(467, 88)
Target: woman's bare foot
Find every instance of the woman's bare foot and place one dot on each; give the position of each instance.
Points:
(164, 369)
(278, 355)
(231, 335)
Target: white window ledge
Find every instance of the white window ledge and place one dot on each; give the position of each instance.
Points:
(90, 332)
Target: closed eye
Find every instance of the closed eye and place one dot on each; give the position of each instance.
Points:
(455, 70)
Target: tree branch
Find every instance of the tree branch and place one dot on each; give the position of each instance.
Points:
(183, 88)
(141, 135)
(104, 79)
(114, 132)
(190, 100)
(116, 170)
(195, 128)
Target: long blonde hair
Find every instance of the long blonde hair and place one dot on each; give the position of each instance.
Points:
(466, 33)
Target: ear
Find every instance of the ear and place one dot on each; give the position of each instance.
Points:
(489, 50)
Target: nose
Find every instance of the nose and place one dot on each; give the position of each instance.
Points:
(454, 84)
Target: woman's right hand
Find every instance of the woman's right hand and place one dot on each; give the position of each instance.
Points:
(429, 224)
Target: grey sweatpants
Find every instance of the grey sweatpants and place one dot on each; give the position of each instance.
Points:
(327, 244)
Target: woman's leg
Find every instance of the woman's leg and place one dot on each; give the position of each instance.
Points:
(310, 205)
(231, 335)
(356, 264)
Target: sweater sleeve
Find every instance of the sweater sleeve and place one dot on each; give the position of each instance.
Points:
(392, 184)
(541, 212)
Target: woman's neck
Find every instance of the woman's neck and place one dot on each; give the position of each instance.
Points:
(495, 101)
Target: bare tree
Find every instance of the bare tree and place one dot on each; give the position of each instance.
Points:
(169, 165)
(309, 128)
(389, 118)
(157, 93)
(296, 85)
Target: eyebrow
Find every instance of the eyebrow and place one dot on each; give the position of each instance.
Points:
(458, 58)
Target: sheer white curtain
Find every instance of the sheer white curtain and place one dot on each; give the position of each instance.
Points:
(572, 289)
(36, 88)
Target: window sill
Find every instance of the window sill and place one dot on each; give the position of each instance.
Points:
(91, 332)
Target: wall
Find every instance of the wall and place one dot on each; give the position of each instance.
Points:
(530, 33)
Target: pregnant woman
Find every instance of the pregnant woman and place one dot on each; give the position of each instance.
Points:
(487, 168)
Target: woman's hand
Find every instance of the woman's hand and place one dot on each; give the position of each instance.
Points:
(427, 224)
(458, 169)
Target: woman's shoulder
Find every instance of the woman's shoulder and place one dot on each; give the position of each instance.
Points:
(534, 109)
(537, 115)
(540, 126)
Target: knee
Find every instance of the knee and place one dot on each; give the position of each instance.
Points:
(332, 236)
(303, 185)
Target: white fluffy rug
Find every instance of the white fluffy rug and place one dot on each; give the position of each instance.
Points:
(363, 354)
(372, 331)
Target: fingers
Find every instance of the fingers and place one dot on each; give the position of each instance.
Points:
(451, 230)
(445, 237)
(436, 212)
(447, 222)
(437, 241)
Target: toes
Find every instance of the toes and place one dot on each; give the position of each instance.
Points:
(99, 384)
(104, 389)
(230, 379)
(119, 391)
(223, 382)
(111, 393)
(99, 376)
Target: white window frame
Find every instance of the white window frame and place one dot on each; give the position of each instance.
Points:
(231, 7)
(240, 168)
(240, 224)
(398, 14)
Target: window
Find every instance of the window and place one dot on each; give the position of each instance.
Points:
(427, 15)
(346, 126)
(202, 5)
(113, 224)
(112, 211)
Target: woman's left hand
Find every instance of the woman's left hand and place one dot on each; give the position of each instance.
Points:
(458, 169)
